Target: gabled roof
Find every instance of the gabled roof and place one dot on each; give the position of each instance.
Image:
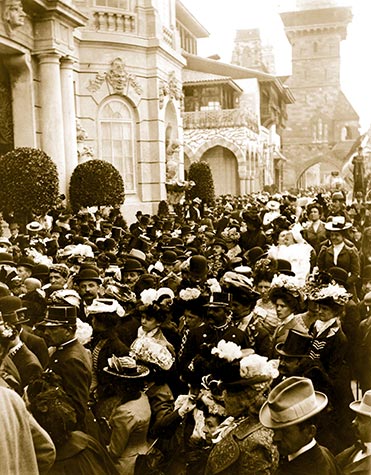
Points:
(190, 78)
(210, 66)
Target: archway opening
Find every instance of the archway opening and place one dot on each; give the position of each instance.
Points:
(224, 168)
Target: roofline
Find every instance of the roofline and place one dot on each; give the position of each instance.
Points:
(206, 65)
(214, 81)
(184, 16)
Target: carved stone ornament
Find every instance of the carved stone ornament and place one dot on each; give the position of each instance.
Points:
(117, 78)
(171, 88)
(84, 152)
(13, 15)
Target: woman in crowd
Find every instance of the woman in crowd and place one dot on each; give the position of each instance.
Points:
(128, 412)
(247, 449)
(286, 295)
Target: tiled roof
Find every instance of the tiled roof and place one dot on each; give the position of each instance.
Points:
(198, 76)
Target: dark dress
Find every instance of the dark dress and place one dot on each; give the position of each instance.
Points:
(82, 455)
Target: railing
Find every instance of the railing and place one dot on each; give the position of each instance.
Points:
(213, 119)
(167, 35)
(114, 20)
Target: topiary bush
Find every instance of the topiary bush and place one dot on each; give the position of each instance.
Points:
(28, 183)
(96, 183)
(200, 174)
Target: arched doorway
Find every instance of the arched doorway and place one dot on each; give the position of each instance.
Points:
(224, 168)
(316, 174)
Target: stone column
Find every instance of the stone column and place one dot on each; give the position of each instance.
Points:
(69, 117)
(51, 113)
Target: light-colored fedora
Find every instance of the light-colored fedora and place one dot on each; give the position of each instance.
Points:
(292, 401)
(362, 406)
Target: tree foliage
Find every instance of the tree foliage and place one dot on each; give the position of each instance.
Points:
(96, 183)
(200, 173)
(28, 183)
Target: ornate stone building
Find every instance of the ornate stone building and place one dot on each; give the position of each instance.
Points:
(85, 79)
(322, 124)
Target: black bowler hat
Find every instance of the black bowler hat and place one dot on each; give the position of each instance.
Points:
(59, 315)
(88, 274)
(6, 259)
(284, 267)
(297, 344)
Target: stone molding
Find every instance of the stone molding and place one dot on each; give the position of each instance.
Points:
(117, 78)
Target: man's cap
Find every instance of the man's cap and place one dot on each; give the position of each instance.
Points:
(60, 315)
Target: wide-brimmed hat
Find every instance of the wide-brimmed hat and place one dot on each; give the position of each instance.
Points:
(5, 241)
(292, 401)
(34, 226)
(88, 274)
(254, 254)
(125, 367)
(297, 344)
(13, 310)
(60, 315)
(337, 223)
(197, 200)
(273, 205)
(105, 306)
(362, 406)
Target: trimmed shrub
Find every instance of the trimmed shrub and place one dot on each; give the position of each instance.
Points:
(96, 183)
(28, 183)
(200, 173)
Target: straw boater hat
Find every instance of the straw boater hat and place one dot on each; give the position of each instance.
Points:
(337, 223)
(292, 401)
(363, 406)
(34, 226)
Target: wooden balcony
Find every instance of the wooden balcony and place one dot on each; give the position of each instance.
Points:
(214, 119)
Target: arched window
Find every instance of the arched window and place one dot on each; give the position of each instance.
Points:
(116, 134)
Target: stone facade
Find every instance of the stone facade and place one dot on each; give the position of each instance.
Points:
(322, 125)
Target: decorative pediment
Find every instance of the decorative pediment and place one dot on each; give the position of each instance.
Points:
(117, 78)
(171, 88)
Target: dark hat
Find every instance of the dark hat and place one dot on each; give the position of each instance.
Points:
(116, 233)
(60, 315)
(338, 195)
(87, 274)
(132, 265)
(61, 269)
(219, 299)
(169, 257)
(297, 344)
(198, 265)
(339, 274)
(26, 261)
(6, 259)
(220, 242)
(40, 270)
(284, 267)
(186, 230)
(254, 254)
(366, 274)
(13, 310)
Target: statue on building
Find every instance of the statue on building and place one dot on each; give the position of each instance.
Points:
(13, 15)
(359, 173)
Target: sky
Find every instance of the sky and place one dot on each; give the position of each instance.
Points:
(221, 19)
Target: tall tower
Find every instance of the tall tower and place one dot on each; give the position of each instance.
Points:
(322, 124)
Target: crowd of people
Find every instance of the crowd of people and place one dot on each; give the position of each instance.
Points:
(225, 339)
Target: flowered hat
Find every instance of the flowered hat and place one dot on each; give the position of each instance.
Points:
(334, 292)
(125, 367)
(238, 368)
(147, 350)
